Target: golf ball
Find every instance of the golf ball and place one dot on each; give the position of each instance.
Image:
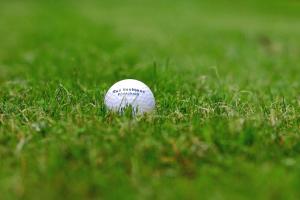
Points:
(130, 92)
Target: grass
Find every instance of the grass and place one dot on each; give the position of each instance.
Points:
(226, 81)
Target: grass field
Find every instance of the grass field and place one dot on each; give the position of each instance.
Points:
(225, 75)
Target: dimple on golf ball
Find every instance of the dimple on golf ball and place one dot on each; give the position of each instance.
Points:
(130, 92)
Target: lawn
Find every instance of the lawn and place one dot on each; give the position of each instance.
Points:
(225, 75)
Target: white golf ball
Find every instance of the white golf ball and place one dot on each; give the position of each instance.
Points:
(130, 92)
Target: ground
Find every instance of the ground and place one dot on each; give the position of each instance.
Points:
(225, 75)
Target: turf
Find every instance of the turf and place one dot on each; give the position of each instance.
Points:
(226, 80)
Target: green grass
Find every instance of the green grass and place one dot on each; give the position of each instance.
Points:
(226, 81)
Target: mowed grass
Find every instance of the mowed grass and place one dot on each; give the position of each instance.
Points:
(226, 80)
